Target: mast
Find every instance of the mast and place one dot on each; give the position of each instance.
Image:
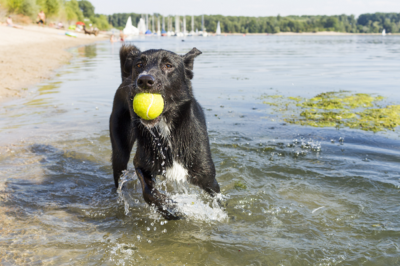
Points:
(163, 23)
(184, 24)
(147, 22)
(202, 23)
(158, 26)
(152, 24)
(177, 29)
(192, 23)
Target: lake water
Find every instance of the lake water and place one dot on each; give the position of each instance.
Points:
(293, 195)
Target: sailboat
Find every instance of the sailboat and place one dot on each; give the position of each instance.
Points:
(141, 26)
(130, 30)
(192, 31)
(383, 32)
(148, 31)
(184, 26)
(152, 25)
(169, 33)
(178, 33)
(203, 29)
(218, 32)
(163, 32)
(158, 27)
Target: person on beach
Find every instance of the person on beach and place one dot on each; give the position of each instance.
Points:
(113, 39)
(122, 36)
(41, 18)
(11, 24)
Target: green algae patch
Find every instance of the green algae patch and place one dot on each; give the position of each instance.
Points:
(338, 109)
(240, 185)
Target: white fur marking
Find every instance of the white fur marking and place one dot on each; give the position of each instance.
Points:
(148, 109)
(163, 129)
(177, 172)
(142, 74)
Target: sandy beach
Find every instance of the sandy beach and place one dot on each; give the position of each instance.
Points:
(29, 55)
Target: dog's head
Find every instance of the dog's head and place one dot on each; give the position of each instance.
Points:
(159, 71)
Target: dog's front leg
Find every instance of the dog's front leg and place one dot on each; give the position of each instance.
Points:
(152, 196)
(121, 134)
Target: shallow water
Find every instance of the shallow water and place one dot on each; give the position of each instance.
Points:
(294, 195)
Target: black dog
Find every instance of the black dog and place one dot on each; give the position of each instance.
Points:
(175, 144)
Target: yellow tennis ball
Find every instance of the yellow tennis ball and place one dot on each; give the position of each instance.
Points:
(148, 105)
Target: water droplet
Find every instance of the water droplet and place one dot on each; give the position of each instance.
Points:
(155, 228)
(148, 228)
(138, 237)
(164, 231)
(149, 241)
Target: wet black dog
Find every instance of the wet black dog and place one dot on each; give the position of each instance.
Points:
(175, 144)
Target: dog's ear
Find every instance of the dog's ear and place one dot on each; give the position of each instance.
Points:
(188, 60)
(126, 55)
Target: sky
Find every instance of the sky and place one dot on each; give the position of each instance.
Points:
(246, 7)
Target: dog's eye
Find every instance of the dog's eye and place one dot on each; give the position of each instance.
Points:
(139, 65)
(168, 66)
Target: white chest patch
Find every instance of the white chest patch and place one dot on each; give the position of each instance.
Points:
(163, 128)
(177, 172)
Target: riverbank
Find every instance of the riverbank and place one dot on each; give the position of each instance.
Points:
(30, 55)
(318, 33)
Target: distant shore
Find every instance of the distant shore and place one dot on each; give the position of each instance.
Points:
(318, 33)
(29, 55)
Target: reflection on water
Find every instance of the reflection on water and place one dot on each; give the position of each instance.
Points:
(294, 195)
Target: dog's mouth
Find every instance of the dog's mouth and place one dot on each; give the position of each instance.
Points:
(150, 123)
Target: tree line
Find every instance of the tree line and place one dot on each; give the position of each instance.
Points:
(69, 11)
(365, 23)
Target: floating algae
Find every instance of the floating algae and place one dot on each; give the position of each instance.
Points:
(240, 185)
(338, 109)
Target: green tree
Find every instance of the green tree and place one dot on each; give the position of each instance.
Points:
(74, 13)
(87, 8)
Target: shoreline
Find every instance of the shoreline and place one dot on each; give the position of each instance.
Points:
(318, 33)
(30, 55)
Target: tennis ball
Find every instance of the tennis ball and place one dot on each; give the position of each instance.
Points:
(148, 105)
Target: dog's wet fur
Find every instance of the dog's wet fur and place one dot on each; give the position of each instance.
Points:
(184, 153)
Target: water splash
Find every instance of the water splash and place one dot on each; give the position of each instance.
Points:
(192, 202)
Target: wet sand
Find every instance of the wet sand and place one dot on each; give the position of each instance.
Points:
(29, 55)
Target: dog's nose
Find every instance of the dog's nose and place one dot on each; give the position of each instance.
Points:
(146, 81)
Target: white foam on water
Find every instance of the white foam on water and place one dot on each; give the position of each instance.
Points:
(192, 203)
(196, 208)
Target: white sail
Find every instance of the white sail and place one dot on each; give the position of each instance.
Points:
(142, 26)
(129, 29)
(383, 32)
(218, 32)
